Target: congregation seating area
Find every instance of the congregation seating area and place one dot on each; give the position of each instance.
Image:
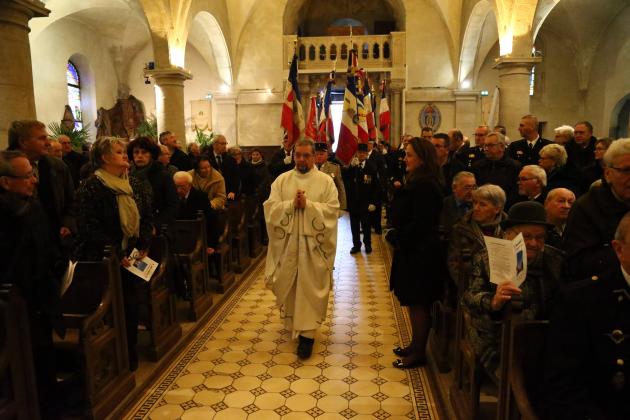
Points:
(91, 354)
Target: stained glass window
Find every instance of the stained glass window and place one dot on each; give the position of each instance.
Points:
(74, 94)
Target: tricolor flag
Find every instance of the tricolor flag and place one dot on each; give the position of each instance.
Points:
(311, 123)
(292, 114)
(348, 132)
(368, 102)
(326, 131)
(384, 117)
(362, 130)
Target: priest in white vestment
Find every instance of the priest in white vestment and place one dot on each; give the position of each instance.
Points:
(301, 217)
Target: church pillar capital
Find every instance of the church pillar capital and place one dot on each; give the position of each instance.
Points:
(169, 99)
(514, 75)
(17, 99)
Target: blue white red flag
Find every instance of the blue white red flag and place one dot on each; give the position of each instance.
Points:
(292, 115)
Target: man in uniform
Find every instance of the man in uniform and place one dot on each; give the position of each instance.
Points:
(378, 160)
(362, 190)
(588, 350)
(332, 169)
(527, 149)
(467, 154)
(301, 216)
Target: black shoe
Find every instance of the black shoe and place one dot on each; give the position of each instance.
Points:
(368, 249)
(410, 364)
(305, 347)
(402, 351)
(355, 249)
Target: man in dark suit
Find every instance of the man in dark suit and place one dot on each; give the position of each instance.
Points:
(362, 189)
(466, 153)
(191, 201)
(55, 188)
(532, 184)
(378, 161)
(226, 165)
(179, 159)
(581, 148)
(460, 201)
(282, 161)
(72, 159)
(527, 149)
(587, 348)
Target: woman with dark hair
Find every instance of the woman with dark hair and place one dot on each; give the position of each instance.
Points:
(417, 270)
(144, 153)
(210, 181)
(114, 210)
(260, 174)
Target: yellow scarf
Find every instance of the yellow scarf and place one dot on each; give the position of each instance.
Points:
(127, 208)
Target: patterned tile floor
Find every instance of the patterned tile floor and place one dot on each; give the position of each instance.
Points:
(242, 365)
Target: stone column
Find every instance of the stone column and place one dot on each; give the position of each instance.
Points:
(169, 100)
(514, 74)
(466, 111)
(396, 88)
(17, 99)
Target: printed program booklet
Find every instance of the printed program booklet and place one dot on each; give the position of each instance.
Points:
(508, 260)
(143, 268)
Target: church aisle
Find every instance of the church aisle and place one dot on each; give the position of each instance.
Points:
(242, 365)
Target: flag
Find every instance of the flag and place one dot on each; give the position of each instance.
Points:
(362, 130)
(292, 114)
(326, 132)
(348, 132)
(384, 117)
(311, 124)
(369, 104)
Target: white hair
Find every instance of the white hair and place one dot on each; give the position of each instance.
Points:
(565, 130)
(183, 175)
(555, 152)
(538, 173)
(500, 137)
(618, 148)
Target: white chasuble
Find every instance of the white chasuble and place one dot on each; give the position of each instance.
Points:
(302, 246)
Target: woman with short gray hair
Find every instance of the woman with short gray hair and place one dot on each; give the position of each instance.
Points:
(553, 159)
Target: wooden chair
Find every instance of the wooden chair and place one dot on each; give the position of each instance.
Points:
(190, 250)
(18, 390)
(157, 302)
(254, 234)
(93, 307)
(238, 232)
(220, 261)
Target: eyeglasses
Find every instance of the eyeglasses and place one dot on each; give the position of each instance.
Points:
(623, 171)
(480, 135)
(469, 187)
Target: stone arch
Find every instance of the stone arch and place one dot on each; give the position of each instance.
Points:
(217, 43)
(471, 42)
(620, 118)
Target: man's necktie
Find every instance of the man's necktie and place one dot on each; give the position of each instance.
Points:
(219, 162)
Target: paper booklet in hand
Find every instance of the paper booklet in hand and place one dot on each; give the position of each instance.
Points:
(143, 268)
(508, 260)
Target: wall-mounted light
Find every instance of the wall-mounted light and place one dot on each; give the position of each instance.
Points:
(466, 84)
(225, 88)
(209, 96)
(484, 93)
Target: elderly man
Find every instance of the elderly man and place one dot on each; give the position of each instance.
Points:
(484, 301)
(72, 159)
(179, 159)
(165, 160)
(332, 169)
(282, 160)
(581, 149)
(532, 181)
(587, 351)
(497, 167)
(563, 135)
(558, 205)
(301, 216)
(226, 165)
(460, 201)
(526, 150)
(55, 149)
(191, 201)
(595, 215)
(55, 188)
(31, 260)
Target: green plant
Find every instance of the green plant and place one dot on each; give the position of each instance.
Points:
(148, 128)
(78, 138)
(202, 138)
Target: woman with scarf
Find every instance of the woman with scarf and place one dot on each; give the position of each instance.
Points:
(144, 154)
(115, 210)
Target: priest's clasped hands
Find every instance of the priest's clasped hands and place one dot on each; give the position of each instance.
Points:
(300, 200)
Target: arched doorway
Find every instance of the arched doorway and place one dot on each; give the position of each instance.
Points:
(620, 119)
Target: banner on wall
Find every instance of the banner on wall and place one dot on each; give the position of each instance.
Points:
(201, 113)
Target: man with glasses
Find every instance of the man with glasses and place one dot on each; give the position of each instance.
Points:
(527, 149)
(532, 181)
(582, 147)
(594, 217)
(497, 167)
(301, 217)
(55, 188)
(460, 201)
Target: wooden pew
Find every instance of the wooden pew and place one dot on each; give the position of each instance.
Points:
(220, 261)
(93, 307)
(254, 233)
(190, 250)
(238, 232)
(18, 390)
(157, 302)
